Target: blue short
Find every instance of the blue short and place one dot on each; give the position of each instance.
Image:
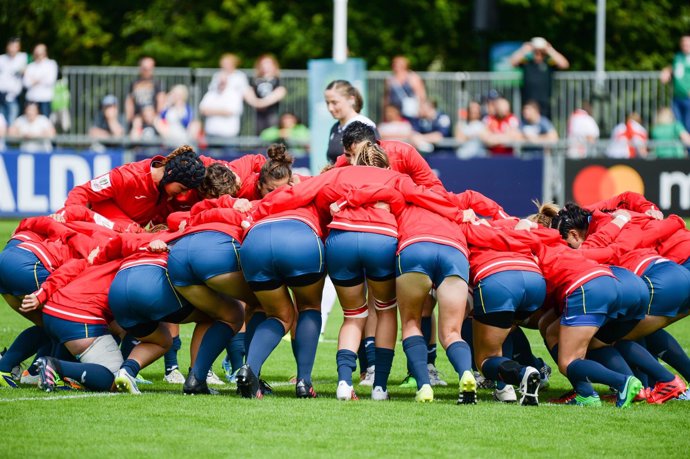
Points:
(141, 296)
(282, 252)
(21, 272)
(437, 261)
(509, 291)
(632, 293)
(198, 257)
(686, 264)
(352, 255)
(13, 242)
(592, 303)
(669, 289)
(66, 330)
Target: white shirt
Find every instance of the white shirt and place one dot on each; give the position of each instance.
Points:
(222, 126)
(33, 129)
(44, 74)
(11, 70)
(581, 127)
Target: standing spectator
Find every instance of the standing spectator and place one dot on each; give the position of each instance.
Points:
(469, 131)
(144, 91)
(536, 128)
(265, 92)
(34, 129)
(583, 132)
(39, 79)
(430, 128)
(177, 124)
(107, 124)
(404, 89)
(12, 66)
(538, 59)
(222, 107)
(680, 73)
(501, 128)
(669, 132)
(394, 125)
(628, 139)
(290, 130)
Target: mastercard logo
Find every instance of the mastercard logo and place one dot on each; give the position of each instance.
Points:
(596, 183)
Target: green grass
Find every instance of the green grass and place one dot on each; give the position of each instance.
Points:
(162, 422)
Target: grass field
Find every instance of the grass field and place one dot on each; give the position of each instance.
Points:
(163, 422)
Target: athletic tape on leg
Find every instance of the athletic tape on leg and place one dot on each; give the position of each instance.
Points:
(385, 305)
(103, 351)
(359, 313)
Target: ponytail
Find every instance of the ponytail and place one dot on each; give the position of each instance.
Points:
(371, 154)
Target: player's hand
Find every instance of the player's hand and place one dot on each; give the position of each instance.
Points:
(655, 213)
(334, 208)
(182, 225)
(242, 205)
(58, 218)
(29, 303)
(382, 205)
(93, 254)
(525, 224)
(158, 246)
(468, 215)
(295, 180)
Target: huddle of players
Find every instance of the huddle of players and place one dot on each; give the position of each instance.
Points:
(248, 263)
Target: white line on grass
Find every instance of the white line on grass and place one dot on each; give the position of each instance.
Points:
(58, 397)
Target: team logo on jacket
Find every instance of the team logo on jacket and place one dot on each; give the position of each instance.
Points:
(101, 183)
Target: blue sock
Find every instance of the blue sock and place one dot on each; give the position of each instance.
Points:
(306, 341)
(467, 336)
(46, 349)
(553, 352)
(415, 351)
(90, 375)
(128, 343)
(255, 321)
(459, 355)
(236, 351)
(170, 357)
(384, 362)
(636, 355)
(522, 350)
(347, 363)
(26, 344)
(370, 349)
(611, 359)
(362, 357)
(212, 344)
(666, 347)
(503, 370)
(267, 336)
(132, 367)
(426, 332)
(586, 371)
(507, 349)
(491, 365)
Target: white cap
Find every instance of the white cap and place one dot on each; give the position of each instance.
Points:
(539, 43)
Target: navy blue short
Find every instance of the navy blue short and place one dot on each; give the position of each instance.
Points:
(65, 330)
(198, 257)
(509, 291)
(13, 242)
(282, 252)
(437, 261)
(352, 256)
(632, 293)
(686, 264)
(143, 295)
(21, 272)
(669, 288)
(591, 304)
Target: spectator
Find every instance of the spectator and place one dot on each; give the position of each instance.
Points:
(668, 132)
(538, 59)
(222, 107)
(3, 131)
(265, 92)
(501, 128)
(679, 72)
(146, 126)
(39, 79)
(430, 128)
(12, 66)
(34, 129)
(107, 124)
(535, 128)
(289, 131)
(145, 91)
(469, 130)
(583, 132)
(404, 89)
(628, 139)
(177, 125)
(394, 125)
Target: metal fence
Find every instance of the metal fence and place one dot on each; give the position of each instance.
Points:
(620, 93)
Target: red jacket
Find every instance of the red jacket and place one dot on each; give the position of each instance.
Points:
(481, 205)
(416, 224)
(84, 214)
(404, 158)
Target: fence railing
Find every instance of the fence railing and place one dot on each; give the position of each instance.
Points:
(620, 93)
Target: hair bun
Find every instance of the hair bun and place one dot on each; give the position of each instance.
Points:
(278, 153)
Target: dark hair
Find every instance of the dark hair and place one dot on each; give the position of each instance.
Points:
(182, 166)
(571, 217)
(218, 181)
(371, 154)
(279, 164)
(532, 103)
(356, 132)
(346, 89)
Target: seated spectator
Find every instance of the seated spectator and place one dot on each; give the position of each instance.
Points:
(501, 128)
(177, 124)
(535, 128)
(431, 127)
(289, 130)
(668, 132)
(629, 139)
(146, 126)
(222, 106)
(469, 131)
(34, 129)
(583, 132)
(394, 125)
(107, 124)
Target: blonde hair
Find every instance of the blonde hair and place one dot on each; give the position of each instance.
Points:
(371, 154)
(545, 214)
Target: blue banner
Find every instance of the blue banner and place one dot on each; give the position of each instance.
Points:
(38, 183)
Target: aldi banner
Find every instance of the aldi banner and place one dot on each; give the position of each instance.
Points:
(666, 182)
(38, 183)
